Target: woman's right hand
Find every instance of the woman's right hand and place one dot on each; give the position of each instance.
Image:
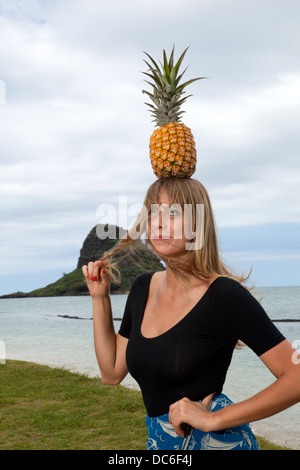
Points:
(97, 279)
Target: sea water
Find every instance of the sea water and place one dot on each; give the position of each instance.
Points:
(45, 330)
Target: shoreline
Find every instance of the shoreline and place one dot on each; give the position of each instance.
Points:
(260, 428)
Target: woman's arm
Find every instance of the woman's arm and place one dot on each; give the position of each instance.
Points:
(282, 394)
(110, 348)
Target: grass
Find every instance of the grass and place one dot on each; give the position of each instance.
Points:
(46, 408)
(43, 408)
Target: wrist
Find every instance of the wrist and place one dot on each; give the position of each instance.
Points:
(214, 422)
(101, 299)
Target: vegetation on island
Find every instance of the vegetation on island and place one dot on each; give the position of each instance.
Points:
(131, 262)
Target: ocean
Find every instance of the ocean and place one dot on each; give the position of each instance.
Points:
(44, 330)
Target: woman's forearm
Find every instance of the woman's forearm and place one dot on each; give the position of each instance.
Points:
(110, 348)
(104, 338)
(283, 393)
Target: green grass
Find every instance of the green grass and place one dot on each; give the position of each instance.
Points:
(46, 408)
(43, 408)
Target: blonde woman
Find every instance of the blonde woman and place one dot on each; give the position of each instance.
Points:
(180, 328)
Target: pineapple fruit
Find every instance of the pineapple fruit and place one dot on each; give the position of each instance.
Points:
(172, 146)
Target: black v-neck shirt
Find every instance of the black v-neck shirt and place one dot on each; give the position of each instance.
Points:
(192, 357)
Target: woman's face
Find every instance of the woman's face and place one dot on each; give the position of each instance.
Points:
(166, 229)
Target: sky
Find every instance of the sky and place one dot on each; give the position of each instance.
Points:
(74, 129)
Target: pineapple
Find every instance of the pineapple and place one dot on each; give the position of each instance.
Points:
(172, 145)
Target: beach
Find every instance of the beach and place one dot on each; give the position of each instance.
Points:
(38, 330)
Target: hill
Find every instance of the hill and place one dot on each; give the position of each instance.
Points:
(131, 263)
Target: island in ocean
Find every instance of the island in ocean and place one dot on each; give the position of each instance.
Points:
(131, 262)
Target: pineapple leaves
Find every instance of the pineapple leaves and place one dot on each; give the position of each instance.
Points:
(181, 87)
(154, 76)
(167, 90)
(178, 64)
(171, 60)
(153, 61)
(166, 67)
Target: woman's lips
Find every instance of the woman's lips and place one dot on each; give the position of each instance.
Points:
(160, 237)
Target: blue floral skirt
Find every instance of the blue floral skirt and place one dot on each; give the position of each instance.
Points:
(161, 434)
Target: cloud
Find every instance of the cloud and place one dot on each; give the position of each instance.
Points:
(75, 130)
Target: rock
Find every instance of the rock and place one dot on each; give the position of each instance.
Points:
(131, 262)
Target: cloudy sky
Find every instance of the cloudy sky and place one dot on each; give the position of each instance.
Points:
(74, 129)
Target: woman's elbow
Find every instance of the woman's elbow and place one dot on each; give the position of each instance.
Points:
(111, 380)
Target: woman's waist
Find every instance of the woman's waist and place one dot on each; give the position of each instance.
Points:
(162, 435)
(157, 402)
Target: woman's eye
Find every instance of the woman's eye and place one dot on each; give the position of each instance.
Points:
(174, 213)
(165, 211)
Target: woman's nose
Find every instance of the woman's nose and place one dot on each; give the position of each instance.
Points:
(158, 220)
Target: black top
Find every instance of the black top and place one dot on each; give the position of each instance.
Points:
(191, 358)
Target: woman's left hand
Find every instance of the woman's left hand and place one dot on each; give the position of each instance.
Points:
(194, 413)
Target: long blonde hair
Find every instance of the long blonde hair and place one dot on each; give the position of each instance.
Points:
(204, 263)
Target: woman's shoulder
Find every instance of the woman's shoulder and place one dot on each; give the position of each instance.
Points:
(224, 285)
(142, 280)
(229, 292)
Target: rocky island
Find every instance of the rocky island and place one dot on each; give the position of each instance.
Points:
(131, 262)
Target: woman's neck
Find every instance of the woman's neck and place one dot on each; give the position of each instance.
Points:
(172, 283)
